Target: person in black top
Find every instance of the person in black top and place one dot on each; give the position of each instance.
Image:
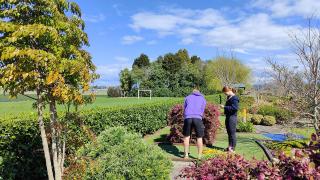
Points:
(230, 110)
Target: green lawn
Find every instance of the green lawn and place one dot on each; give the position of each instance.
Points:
(246, 145)
(23, 104)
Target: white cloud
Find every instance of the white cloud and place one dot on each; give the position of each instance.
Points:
(121, 59)
(110, 73)
(94, 18)
(256, 32)
(210, 28)
(286, 8)
(131, 39)
(187, 41)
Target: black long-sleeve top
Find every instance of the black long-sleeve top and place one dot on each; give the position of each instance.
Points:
(232, 105)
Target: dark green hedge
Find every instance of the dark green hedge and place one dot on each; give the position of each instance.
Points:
(21, 155)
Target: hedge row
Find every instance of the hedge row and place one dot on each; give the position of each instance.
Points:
(21, 153)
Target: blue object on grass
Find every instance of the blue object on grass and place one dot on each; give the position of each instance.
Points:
(283, 137)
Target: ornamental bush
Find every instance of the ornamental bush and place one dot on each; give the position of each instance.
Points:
(302, 164)
(268, 120)
(245, 126)
(20, 143)
(210, 121)
(256, 119)
(282, 115)
(120, 154)
(236, 167)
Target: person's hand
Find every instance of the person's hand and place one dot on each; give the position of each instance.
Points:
(222, 106)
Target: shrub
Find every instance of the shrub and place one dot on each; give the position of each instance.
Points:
(245, 126)
(281, 115)
(236, 167)
(256, 119)
(313, 149)
(296, 167)
(268, 120)
(114, 91)
(246, 102)
(21, 146)
(286, 146)
(230, 167)
(120, 154)
(210, 121)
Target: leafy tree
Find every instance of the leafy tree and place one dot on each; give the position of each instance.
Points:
(125, 81)
(183, 55)
(172, 63)
(195, 59)
(226, 71)
(40, 50)
(141, 62)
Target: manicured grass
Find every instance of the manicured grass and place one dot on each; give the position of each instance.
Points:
(24, 105)
(246, 145)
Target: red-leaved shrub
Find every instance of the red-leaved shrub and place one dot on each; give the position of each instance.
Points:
(235, 166)
(313, 149)
(210, 121)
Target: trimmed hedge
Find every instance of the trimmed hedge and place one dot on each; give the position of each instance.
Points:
(282, 115)
(21, 146)
(119, 154)
(256, 119)
(268, 121)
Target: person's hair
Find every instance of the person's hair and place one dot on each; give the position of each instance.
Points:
(227, 89)
(196, 87)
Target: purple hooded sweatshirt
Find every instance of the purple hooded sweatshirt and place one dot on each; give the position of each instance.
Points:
(194, 105)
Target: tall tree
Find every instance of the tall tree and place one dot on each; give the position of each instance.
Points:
(141, 62)
(183, 55)
(40, 50)
(195, 59)
(125, 81)
(226, 71)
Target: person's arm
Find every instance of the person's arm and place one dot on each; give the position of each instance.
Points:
(234, 105)
(185, 103)
(203, 106)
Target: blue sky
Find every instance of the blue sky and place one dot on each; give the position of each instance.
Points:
(120, 30)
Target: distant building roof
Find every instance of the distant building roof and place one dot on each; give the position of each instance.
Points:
(239, 85)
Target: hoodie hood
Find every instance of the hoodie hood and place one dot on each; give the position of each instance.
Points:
(197, 93)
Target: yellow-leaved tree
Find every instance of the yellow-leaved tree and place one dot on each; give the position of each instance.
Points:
(41, 50)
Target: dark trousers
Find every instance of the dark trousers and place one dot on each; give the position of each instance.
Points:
(231, 125)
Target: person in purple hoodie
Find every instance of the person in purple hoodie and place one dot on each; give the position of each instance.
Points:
(194, 106)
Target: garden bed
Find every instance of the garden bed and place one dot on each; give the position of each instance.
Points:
(246, 144)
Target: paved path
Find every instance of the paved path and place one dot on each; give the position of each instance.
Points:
(275, 129)
(177, 167)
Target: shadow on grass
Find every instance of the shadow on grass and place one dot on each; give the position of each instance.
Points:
(171, 149)
(162, 138)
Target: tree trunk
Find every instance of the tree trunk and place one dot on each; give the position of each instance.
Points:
(55, 136)
(43, 136)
